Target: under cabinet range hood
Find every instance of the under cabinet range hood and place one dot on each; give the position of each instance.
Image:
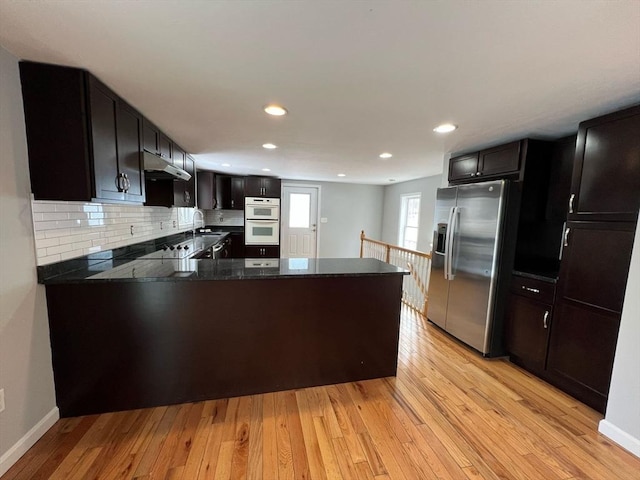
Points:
(157, 167)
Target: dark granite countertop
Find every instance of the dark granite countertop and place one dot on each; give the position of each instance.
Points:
(224, 228)
(144, 270)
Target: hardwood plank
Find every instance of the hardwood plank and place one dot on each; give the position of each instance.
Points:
(283, 439)
(269, 437)
(240, 458)
(298, 452)
(312, 446)
(254, 460)
(209, 465)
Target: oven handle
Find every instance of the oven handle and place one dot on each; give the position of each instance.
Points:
(269, 220)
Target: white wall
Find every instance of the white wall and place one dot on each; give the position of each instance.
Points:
(348, 208)
(427, 187)
(26, 373)
(622, 421)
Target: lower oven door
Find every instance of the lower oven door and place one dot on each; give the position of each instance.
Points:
(262, 232)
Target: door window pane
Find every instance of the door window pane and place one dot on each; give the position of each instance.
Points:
(299, 210)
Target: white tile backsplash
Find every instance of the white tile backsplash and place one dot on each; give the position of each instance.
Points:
(65, 230)
(231, 218)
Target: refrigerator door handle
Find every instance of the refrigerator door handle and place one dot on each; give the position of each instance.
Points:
(453, 225)
(447, 240)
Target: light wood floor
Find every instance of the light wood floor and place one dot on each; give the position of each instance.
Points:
(449, 414)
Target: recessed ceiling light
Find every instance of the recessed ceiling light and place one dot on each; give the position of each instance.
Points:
(269, 146)
(276, 110)
(392, 179)
(226, 164)
(266, 169)
(385, 155)
(342, 175)
(445, 128)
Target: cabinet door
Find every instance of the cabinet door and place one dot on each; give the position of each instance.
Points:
(130, 166)
(581, 351)
(165, 146)
(606, 175)
(190, 187)
(55, 104)
(502, 160)
(463, 167)
(178, 156)
(206, 190)
(223, 191)
(109, 185)
(253, 186)
(237, 193)
(237, 245)
(151, 137)
(184, 191)
(595, 263)
(527, 331)
(271, 187)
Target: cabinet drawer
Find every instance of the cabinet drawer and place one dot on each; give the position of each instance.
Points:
(532, 288)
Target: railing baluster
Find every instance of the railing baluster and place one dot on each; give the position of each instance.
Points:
(414, 285)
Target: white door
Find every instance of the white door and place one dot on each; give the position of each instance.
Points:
(299, 221)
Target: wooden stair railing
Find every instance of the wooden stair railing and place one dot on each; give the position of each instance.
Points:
(415, 285)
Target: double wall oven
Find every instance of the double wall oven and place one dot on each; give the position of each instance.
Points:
(261, 221)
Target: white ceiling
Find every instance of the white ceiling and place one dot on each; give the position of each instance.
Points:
(358, 77)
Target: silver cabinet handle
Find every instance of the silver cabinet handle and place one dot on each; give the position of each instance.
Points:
(232, 203)
(545, 318)
(571, 199)
(566, 237)
(529, 289)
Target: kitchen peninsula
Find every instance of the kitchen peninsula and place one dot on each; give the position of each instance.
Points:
(183, 331)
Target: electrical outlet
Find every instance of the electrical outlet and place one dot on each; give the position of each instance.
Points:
(1, 399)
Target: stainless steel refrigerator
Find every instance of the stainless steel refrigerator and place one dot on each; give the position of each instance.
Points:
(471, 262)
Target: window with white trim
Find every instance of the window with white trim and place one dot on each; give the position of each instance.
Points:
(409, 221)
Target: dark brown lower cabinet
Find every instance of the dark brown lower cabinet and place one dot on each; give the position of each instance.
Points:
(581, 351)
(237, 245)
(591, 289)
(528, 327)
(128, 345)
(258, 251)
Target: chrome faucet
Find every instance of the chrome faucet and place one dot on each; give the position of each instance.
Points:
(196, 211)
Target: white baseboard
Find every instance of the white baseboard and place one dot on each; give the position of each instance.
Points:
(12, 455)
(619, 436)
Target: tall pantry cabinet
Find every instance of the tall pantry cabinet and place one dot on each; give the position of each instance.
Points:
(598, 239)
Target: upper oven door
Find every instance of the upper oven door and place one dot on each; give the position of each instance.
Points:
(261, 208)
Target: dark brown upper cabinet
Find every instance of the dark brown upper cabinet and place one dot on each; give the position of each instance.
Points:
(463, 167)
(165, 146)
(606, 175)
(184, 192)
(262, 187)
(230, 192)
(151, 137)
(502, 161)
(84, 141)
(178, 156)
(206, 190)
